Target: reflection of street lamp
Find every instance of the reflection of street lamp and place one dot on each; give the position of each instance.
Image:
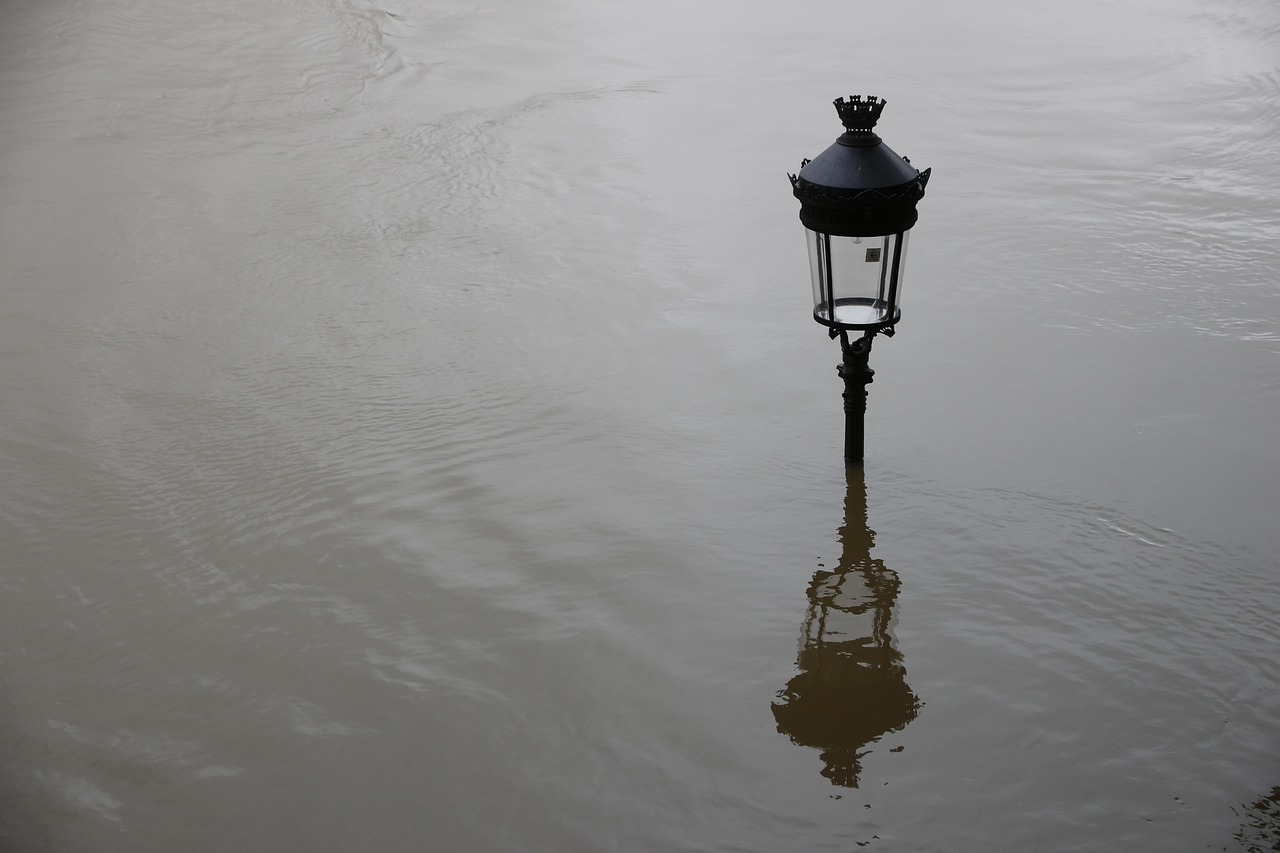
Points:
(857, 203)
(1261, 830)
(852, 686)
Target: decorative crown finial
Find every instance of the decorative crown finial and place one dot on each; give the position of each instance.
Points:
(859, 114)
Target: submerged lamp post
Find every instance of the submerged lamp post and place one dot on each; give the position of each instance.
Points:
(858, 203)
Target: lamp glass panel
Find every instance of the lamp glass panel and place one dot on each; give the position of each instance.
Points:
(857, 276)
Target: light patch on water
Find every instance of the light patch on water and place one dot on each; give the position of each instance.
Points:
(81, 793)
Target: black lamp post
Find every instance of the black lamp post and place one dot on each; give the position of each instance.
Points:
(858, 203)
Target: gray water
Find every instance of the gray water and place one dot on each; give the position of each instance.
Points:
(415, 435)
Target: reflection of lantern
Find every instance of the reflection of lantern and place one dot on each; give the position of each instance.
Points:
(851, 688)
(858, 203)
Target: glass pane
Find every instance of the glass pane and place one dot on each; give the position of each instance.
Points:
(818, 268)
(860, 276)
(901, 250)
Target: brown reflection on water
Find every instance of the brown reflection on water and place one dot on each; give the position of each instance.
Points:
(1261, 830)
(852, 686)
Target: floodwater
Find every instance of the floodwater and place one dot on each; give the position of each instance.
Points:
(415, 435)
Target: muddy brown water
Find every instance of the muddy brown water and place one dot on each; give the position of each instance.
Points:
(415, 436)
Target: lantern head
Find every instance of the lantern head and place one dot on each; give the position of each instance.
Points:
(858, 204)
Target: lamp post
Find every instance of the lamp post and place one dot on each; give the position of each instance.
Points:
(857, 203)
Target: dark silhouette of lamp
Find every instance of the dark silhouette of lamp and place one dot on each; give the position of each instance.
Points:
(858, 205)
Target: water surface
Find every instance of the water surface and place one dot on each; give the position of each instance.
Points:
(416, 437)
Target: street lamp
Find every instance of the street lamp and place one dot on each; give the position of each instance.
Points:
(857, 203)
